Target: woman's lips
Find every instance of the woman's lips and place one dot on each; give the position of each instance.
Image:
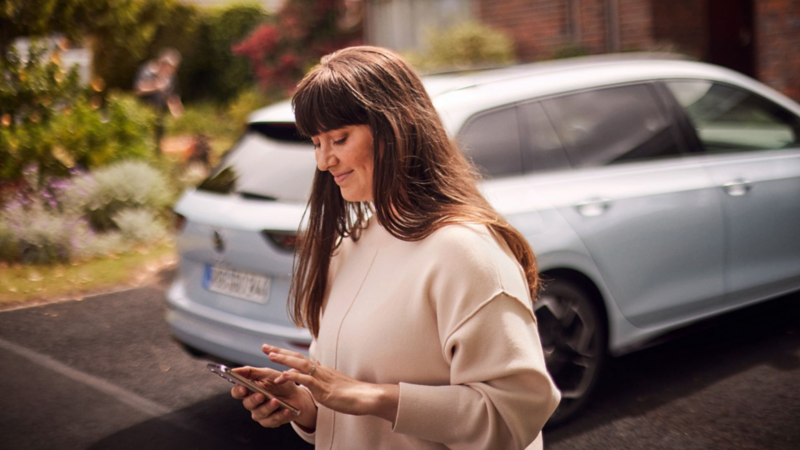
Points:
(339, 178)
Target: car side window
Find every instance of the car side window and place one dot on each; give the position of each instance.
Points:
(542, 150)
(491, 140)
(612, 125)
(729, 119)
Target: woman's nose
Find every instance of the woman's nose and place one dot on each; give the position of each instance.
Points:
(325, 159)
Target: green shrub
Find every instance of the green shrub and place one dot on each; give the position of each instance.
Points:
(36, 234)
(204, 36)
(89, 244)
(462, 46)
(47, 220)
(245, 103)
(224, 27)
(48, 119)
(205, 118)
(93, 139)
(32, 95)
(8, 250)
(571, 50)
(107, 191)
(140, 226)
(117, 53)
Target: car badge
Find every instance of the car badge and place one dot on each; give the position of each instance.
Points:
(219, 244)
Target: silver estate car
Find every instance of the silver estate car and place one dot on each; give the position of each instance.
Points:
(654, 192)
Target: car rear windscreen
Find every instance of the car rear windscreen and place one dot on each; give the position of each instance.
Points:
(270, 162)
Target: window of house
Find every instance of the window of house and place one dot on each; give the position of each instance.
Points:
(731, 119)
(612, 125)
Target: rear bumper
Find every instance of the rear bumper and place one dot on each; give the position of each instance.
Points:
(226, 336)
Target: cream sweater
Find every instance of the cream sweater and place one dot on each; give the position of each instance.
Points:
(448, 318)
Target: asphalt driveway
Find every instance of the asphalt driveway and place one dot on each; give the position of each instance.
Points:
(103, 373)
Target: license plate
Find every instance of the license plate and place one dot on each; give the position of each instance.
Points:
(247, 286)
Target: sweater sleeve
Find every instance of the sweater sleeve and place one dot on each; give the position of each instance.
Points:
(500, 394)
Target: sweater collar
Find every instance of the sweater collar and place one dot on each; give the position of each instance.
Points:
(376, 235)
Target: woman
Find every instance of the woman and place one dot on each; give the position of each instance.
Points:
(418, 294)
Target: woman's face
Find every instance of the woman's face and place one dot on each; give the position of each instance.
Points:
(347, 153)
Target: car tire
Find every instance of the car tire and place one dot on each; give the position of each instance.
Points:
(573, 332)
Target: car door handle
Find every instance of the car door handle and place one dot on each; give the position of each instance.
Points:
(737, 188)
(593, 207)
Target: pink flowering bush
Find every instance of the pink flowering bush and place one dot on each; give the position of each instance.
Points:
(280, 53)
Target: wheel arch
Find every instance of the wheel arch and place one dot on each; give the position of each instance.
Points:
(584, 283)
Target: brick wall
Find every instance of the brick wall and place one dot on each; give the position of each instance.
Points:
(538, 27)
(636, 24)
(777, 40)
(593, 25)
(541, 28)
(681, 24)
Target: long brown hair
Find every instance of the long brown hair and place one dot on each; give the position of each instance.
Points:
(421, 180)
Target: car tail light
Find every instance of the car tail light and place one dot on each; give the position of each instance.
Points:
(180, 222)
(284, 240)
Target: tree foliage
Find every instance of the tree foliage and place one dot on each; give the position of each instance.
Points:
(132, 23)
(204, 37)
(49, 120)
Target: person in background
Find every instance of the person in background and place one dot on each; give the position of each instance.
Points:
(157, 84)
(418, 294)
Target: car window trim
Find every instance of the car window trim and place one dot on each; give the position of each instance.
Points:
(527, 148)
(685, 132)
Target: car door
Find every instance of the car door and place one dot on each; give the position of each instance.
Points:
(647, 212)
(752, 148)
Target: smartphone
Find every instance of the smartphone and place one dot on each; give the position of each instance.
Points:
(235, 378)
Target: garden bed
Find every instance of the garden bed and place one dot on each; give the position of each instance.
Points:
(25, 285)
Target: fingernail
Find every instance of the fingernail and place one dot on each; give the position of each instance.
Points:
(259, 398)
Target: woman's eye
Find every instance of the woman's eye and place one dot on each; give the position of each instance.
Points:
(340, 141)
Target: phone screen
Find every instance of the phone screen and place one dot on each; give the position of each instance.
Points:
(233, 377)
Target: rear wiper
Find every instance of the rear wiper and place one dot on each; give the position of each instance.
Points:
(253, 196)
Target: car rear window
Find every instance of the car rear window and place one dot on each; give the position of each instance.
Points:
(270, 162)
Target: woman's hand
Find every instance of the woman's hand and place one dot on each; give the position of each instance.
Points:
(334, 389)
(265, 411)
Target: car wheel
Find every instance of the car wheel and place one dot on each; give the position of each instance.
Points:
(573, 335)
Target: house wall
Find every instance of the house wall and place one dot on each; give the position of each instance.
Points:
(681, 25)
(636, 24)
(404, 24)
(543, 29)
(538, 27)
(777, 40)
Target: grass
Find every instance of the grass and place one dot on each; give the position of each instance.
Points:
(21, 285)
